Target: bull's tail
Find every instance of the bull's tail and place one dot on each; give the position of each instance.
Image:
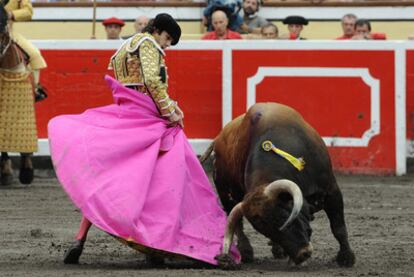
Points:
(207, 153)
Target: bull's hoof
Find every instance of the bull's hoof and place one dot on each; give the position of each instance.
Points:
(154, 261)
(278, 252)
(345, 258)
(73, 253)
(247, 254)
(226, 262)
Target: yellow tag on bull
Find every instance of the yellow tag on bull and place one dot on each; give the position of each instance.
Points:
(298, 163)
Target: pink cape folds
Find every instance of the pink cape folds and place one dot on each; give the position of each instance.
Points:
(136, 178)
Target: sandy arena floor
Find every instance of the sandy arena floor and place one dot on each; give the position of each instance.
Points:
(38, 222)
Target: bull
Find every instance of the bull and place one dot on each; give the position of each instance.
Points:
(273, 168)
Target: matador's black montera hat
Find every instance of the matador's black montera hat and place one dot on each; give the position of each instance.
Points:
(295, 19)
(165, 22)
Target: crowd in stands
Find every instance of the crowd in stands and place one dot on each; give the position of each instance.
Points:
(240, 19)
(251, 25)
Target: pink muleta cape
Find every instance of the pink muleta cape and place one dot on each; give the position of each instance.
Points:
(136, 178)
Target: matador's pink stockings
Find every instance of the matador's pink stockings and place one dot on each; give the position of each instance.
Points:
(83, 229)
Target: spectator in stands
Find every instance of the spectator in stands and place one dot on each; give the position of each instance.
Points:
(140, 23)
(270, 31)
(230, 7)
(220, 23)
(252, 22)
(411, 37)
(363, 31)
(113, 27)
(348, 26)
(295, 26)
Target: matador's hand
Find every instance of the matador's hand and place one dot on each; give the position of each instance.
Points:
(177, 117)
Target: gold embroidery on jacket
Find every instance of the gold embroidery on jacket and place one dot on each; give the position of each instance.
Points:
(142, 67)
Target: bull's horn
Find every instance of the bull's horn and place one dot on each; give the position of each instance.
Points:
(276, 187)
(235, 215)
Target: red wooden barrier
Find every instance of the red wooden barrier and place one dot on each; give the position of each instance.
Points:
(353, 93)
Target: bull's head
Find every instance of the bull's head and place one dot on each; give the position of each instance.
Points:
(278, 212)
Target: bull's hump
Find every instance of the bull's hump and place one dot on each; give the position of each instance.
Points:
(255, 117)
(271, 112)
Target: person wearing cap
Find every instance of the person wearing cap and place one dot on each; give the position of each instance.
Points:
(139, 54)
(220, 31)
(252, 22)
(295, 26)
(129, 167)
(113, 27)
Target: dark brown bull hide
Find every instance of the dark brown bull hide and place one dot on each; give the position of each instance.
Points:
(278, 199)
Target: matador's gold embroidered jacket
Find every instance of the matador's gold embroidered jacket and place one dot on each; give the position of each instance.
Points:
(22, 10)
(140, 62)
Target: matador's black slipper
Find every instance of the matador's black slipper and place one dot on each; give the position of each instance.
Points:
(73, 253)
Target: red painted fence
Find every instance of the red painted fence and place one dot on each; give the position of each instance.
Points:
(352, 93)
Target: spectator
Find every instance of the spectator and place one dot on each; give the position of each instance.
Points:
(230, 7)
(140, 23)
(348, 26)
(252, 22)
(220, 23)
(270, 31)
(295, 26)
(113, 27)
(363, 31)
(411, 37)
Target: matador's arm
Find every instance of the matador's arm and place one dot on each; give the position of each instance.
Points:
(150, 58)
